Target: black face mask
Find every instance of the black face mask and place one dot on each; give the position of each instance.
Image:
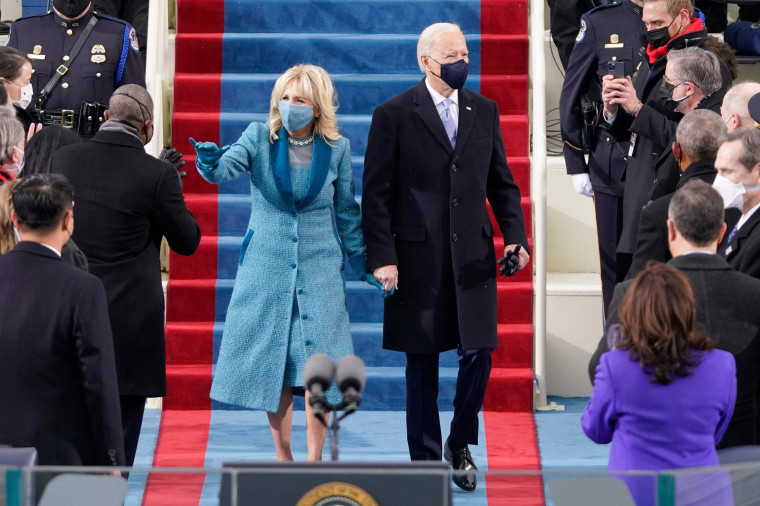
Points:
(454, 74)
(71, 8)
(659, 36)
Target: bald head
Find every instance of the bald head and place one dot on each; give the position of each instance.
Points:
(734, 109)
(131, 103)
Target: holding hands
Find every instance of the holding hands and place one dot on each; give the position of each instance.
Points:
(619, 91)
(208, 152)
(385, 278)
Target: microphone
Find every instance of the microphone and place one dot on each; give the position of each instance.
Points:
(351, 377)
(318, 373)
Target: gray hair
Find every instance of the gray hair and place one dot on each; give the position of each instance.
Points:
(131, 103)
(11, 134)
(750, 139)
(697, 66)
(428, 37)
(737, 99)
(700, 133)
(696, 210)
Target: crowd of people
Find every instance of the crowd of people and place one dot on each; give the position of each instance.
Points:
(673, 162)
(656, 132)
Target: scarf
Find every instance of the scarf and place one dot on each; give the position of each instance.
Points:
(121, 126)
(655, 54)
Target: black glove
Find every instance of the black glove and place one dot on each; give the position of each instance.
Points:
(171, 155)
(509, 264)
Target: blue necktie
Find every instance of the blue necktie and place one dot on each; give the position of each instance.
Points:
(732, 234)
(448, 122)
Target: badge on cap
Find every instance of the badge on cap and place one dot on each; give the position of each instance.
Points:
(581, 32)
(133, 40)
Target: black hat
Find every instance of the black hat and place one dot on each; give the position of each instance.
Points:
(754, 107)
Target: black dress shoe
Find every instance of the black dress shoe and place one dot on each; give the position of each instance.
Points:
(461, 460)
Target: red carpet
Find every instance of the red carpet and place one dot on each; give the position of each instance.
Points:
(513, 445)
(182, 439)
(201, 68)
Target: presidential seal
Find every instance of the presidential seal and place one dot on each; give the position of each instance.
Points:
(336, 493)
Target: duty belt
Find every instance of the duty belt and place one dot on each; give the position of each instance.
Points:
(66, 118)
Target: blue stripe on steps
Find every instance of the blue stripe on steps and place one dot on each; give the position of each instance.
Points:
(386, 390)
(365, 436)
(365, 304)
(337, 53)
(234, 214)
(357, 93)
(242, 185)
(353, 126)
(352, 16)
(368, 345)
(146, 448)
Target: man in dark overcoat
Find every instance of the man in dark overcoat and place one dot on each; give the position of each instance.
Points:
(435, 153)
(126, 201)
(59, 392)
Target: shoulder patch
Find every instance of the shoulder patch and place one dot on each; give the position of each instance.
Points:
(133, 40)
(581, 32)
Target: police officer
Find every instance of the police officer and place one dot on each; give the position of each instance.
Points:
(79, 58)
(609, 41)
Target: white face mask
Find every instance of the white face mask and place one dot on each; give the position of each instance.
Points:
(731, 193)
(26, 95)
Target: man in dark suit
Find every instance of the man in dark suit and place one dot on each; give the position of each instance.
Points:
(435, 152)
(698, 137)
(726, 299)
(127, 200)
(57, 372)
(738, 180)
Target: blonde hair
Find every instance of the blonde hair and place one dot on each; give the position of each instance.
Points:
(7, 237)
(316, 84)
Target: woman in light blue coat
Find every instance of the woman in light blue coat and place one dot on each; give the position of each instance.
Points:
(289, 299)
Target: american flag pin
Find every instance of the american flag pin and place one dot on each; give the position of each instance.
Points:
(729, 250)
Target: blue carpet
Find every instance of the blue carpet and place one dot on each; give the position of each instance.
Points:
(369, 436)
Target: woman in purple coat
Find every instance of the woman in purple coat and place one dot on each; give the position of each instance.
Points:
(663, 396)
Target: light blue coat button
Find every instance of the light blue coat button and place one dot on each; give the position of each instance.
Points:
(292, 266)
(307, 341)
(295, 239)
(300, 291)
(304, 316)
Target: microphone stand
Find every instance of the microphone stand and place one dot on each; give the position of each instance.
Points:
(335, 424)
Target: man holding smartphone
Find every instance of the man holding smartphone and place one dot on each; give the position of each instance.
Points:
(608, 42)
(637, 108)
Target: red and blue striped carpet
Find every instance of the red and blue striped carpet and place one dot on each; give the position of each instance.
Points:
(228, 55)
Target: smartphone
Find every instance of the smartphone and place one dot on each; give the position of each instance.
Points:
(616, 68)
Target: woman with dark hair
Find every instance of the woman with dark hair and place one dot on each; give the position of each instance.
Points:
(39, 154)
(663, 396)
(16, 77)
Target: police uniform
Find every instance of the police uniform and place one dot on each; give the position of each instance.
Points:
(608, 33)
(108, 59)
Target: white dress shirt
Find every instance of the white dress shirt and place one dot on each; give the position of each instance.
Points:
(438, 101)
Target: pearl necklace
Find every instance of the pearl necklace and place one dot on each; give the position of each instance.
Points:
(301, 142)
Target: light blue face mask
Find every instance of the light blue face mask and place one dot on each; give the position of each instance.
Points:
(295, 117)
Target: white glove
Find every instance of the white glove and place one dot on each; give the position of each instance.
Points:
(582, 184)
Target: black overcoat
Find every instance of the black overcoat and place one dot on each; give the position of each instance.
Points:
(424, 209)
(125, 200)
(59, 392)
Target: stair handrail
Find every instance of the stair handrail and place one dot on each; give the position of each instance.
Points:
(158, 46)
(537, 73)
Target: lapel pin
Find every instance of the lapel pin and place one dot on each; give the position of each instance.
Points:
(729, 250)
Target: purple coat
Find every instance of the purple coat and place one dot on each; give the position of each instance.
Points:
(656, 427)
